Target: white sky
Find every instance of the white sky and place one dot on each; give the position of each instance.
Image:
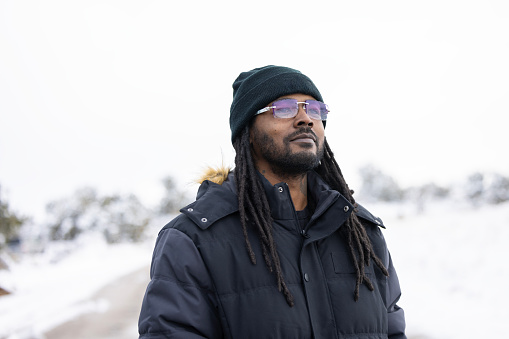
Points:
(118, 94)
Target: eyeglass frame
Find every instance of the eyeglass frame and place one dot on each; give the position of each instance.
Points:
(268, 108)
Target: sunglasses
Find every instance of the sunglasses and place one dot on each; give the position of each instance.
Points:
(288, 108)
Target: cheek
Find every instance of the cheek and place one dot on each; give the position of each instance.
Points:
(319, 130)
(275, 131)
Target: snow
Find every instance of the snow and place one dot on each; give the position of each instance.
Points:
(450, 258)
(53, 287)
(452, 266)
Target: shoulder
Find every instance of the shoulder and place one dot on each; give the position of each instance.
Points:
(373, 225)
(177, 263)
(366, 215)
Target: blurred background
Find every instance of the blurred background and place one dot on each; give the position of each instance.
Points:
(109, 111)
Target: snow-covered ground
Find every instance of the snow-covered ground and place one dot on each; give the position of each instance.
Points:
(55, 286)
(451, 260)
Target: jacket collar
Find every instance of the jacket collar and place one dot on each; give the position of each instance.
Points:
(281, 203)
(216, 201)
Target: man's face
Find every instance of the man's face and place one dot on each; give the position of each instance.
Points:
(290, 146)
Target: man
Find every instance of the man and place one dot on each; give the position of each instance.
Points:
(326, 270)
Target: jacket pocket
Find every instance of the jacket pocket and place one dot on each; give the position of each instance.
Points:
(342, 262)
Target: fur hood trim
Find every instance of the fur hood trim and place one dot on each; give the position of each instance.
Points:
(217, 175)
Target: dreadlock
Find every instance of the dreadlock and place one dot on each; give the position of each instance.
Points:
(359, 243)
(254, 209)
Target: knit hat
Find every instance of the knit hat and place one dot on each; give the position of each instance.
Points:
(259, 87)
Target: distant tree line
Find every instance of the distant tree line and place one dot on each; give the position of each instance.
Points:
(478, 189)
(490, 188)
(121, 218)
(118, 218)
(10, 224)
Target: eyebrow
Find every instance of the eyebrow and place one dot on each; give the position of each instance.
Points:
(284, 98)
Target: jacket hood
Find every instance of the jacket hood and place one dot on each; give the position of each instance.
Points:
(219, 182)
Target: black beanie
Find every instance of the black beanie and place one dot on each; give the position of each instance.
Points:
(259, 87)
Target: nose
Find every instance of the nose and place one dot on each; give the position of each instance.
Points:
(302, 119)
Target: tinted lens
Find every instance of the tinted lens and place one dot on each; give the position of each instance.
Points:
(287, 108)
(316, 110)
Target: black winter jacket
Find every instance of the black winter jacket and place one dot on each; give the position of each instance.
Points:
(203, 284)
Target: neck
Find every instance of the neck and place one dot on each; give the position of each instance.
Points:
(298, 185)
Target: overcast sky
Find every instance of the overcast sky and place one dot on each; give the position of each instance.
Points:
(119, 94)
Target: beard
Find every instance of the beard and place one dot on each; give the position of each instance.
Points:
(283, 161)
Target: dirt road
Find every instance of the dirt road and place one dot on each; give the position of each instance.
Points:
(119, 321)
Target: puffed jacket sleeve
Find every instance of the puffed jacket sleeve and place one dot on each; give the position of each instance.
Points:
(179, 301)
(396, 315)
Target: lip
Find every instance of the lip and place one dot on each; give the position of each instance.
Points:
(305, 137)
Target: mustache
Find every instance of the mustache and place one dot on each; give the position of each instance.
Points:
(301, 130)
